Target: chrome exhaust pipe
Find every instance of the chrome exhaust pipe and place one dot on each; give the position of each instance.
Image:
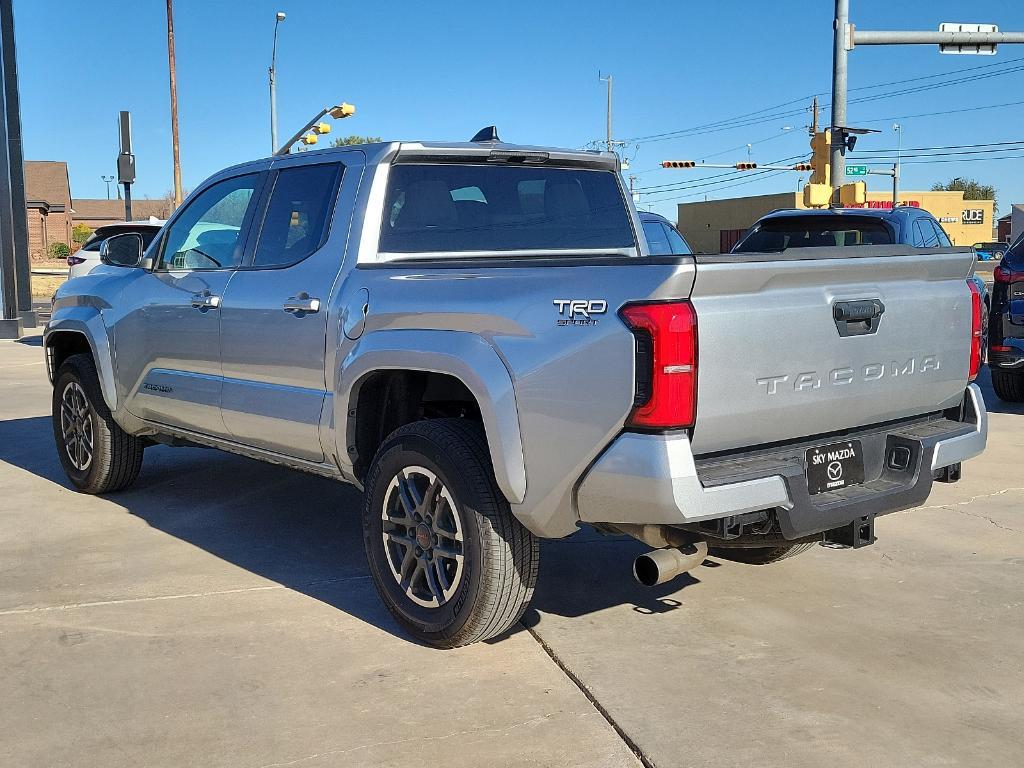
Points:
(661, 565)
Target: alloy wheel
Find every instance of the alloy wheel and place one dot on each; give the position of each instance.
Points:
(76, 426)
(422, 535)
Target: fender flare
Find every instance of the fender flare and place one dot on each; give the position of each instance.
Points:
(86, 322)
(466, 356)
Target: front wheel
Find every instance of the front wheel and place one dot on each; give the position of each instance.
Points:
(97, 455)
(448, 558)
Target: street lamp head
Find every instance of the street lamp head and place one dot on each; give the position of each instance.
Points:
(280, 16)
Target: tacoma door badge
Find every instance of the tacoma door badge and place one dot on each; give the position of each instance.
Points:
(580, 311)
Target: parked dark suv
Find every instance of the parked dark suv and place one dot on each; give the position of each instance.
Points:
(1006, 328)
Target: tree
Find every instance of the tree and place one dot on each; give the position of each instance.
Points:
(972, 189)
(347, 141)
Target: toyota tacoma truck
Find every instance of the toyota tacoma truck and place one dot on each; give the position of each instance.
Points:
(477, 336)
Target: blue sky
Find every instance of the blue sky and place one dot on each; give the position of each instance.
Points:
(443, 70)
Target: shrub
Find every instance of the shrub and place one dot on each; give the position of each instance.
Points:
(58, 251)
(80, 233)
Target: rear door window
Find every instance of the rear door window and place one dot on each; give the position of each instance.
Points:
(466, 208)
(676, 244)
(296, 222)
(657, 239)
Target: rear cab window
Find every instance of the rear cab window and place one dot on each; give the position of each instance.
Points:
(784, 232)
(470, 209)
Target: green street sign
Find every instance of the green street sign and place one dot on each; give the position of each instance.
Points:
(856, 170)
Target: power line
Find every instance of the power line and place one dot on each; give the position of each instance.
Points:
(756, 117)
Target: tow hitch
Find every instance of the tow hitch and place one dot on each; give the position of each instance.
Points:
(854, 535)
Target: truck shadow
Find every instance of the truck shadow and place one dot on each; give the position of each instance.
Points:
(992, 403)
(304, 532)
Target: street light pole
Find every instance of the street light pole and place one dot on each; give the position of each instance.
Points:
(273, 86)
(176, 159)
(896, 168)
(608, 113)
(107, 179)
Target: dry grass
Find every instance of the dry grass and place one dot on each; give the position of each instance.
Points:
(43, 286)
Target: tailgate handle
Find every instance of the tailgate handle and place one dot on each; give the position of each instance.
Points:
(859, 317)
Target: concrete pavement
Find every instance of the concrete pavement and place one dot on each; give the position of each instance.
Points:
(219, 614)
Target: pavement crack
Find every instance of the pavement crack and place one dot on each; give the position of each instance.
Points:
(968, 501)
(183, 596)
(986, 518)
(626, 738)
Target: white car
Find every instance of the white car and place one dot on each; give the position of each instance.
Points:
(87, 258)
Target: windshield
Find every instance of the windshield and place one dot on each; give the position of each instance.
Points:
(473, 208)
(784, 232)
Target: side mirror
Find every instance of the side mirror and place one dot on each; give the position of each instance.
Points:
(123, 250)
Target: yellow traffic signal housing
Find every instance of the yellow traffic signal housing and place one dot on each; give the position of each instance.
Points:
(678, 164)
(310, 138)
(821, 144)
(817, 195)
(322, 128)
(853, 194)
(343, 110)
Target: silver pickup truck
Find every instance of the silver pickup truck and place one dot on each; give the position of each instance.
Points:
(476, 335)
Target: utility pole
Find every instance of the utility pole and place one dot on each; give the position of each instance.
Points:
(953, 38)
(22, 269)
(814, 116)
(174, 107)
(273, 87)
(609, 143)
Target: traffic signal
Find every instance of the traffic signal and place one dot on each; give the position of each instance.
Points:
(678, 164)
(343, 110)
(321, 128)
(310, 138)
(853, 194)
(821, 144)
(803, 167)
(746, 166)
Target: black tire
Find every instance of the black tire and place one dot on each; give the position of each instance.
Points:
(499, 556)
(115, 458)
(760, 555)
(1009, 387)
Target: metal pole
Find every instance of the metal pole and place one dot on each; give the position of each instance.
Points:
(174, 106)
(128, 202)
(910, 37)
(837, 155)
(896, 165)
(10, 323)
(273, 87)
(609, 131)
(22, 268)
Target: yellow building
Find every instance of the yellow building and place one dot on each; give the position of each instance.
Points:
(714, 226)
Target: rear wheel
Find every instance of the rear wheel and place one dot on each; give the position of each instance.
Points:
(448, 558)
(760, 555)
(1009, 387)
(97, 455)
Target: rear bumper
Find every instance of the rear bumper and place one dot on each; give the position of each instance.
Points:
(1012, 358)
(655, 479)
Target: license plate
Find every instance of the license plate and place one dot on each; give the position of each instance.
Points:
(834, 466)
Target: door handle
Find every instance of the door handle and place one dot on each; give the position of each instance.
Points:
(205, 301)
(302, 304)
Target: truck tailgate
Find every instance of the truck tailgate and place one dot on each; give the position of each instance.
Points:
(778, 361)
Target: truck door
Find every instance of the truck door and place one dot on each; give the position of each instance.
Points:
(275, 312)
(167, 341)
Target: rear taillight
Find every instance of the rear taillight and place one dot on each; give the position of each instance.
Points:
(74, 261)
(976, 319)
(1002, 274)
(666, 364)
